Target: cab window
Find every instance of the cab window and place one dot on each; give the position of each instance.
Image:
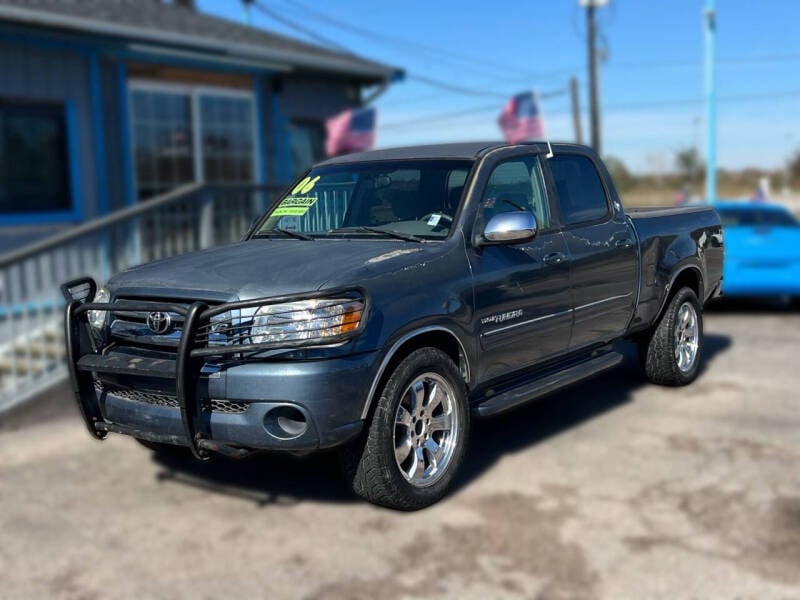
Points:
(516, 185)
(581, 195)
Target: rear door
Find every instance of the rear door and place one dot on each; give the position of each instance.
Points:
(602, 249)
(522, 296)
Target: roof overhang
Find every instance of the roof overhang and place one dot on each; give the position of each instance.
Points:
(245, 54)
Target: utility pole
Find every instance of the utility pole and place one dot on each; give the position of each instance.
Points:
(248, 13)
(711, 103)
(576, 109)
(594, 100)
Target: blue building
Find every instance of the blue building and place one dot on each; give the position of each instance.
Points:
(105, 103)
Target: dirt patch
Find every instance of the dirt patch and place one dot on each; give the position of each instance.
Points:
(518, 535)
(730, 448)
(762, 536)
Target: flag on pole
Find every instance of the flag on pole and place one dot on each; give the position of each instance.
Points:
(521, 118)
(351, 131)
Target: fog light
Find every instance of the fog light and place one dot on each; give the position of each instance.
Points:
(285, 422)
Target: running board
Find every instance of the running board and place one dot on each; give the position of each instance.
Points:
(548, 384)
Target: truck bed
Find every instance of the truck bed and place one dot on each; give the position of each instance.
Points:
(670, 240)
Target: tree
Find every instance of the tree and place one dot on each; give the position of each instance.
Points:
(794, 168)
(619, 173)
(689, 163)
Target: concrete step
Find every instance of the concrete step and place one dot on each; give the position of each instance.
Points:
(22, 367)
(49, 350)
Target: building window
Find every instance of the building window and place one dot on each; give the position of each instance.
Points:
(227, 126)
(308, 144)
(183, 134)
(34, 165)
(162, 141)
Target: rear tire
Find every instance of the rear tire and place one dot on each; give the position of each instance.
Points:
(417, 436)
(671, 355)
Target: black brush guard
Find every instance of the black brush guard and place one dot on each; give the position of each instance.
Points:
(189, 360)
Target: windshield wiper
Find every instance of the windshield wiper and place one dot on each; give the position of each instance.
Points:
(408, 237)
(294, 234)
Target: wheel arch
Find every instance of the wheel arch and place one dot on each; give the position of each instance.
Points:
(435, 336)
(687, 276)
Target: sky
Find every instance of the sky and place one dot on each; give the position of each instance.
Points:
(651, 80)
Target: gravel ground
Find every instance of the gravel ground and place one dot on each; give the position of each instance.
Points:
(612, 489)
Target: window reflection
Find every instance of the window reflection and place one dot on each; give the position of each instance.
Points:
(165, 151)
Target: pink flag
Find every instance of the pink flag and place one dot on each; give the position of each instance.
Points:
(521, 118)
(351, 131)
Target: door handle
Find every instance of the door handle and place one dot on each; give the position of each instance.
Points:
(624, 243)
(554, 258)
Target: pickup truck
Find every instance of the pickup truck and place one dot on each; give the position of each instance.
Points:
(385, 300)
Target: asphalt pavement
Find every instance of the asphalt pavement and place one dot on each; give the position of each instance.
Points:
(613, 489)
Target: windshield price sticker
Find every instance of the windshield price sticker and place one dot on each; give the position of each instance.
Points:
(306, 185)
(295, 206)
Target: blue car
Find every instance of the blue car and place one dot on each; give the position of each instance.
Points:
(762, 250)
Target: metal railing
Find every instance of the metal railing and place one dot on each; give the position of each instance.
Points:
(188, 218)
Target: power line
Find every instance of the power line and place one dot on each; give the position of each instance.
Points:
(699, 100)
(454, 88)
(431, 81)
(312, 35)
(439, 117)
(733, 60)
(466, 112)
(387, 40)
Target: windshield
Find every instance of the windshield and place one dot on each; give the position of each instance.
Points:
(414, 200)
(754, 217)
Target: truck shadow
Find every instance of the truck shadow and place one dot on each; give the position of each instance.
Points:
(265, 479)
(538, 421)
(276, 479)
(754, 306)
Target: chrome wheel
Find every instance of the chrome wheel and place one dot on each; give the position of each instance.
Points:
(425, 429)
(687, 337)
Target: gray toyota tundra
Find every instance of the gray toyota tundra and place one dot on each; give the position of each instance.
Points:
(386, 299)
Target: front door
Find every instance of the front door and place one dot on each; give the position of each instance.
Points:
(522, 298)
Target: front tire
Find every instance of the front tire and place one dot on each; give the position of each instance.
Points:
(417, 435)
(671, 356)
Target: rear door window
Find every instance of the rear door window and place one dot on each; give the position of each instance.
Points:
(581, 194)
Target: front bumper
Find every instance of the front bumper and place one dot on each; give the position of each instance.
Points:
(231, 406)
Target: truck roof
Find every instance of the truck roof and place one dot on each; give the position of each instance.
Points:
(458, 150)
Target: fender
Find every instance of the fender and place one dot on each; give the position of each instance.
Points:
(673, 279)
(396, 346)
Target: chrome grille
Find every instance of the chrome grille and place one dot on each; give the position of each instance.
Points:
(131, 326)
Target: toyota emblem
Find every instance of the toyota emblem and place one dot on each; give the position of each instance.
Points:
(159, 322)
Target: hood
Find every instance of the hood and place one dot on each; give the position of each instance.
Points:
(762, 242)
(262, 268)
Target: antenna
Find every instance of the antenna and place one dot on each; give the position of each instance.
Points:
(549, 154)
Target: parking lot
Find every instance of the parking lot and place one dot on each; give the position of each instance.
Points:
(612, 489)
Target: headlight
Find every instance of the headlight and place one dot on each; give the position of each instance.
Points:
(306, 320)
(97, 318)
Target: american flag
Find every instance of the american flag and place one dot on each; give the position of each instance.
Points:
(351, 131)
(521, 119)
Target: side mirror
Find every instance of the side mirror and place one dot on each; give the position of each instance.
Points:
(510, 228)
